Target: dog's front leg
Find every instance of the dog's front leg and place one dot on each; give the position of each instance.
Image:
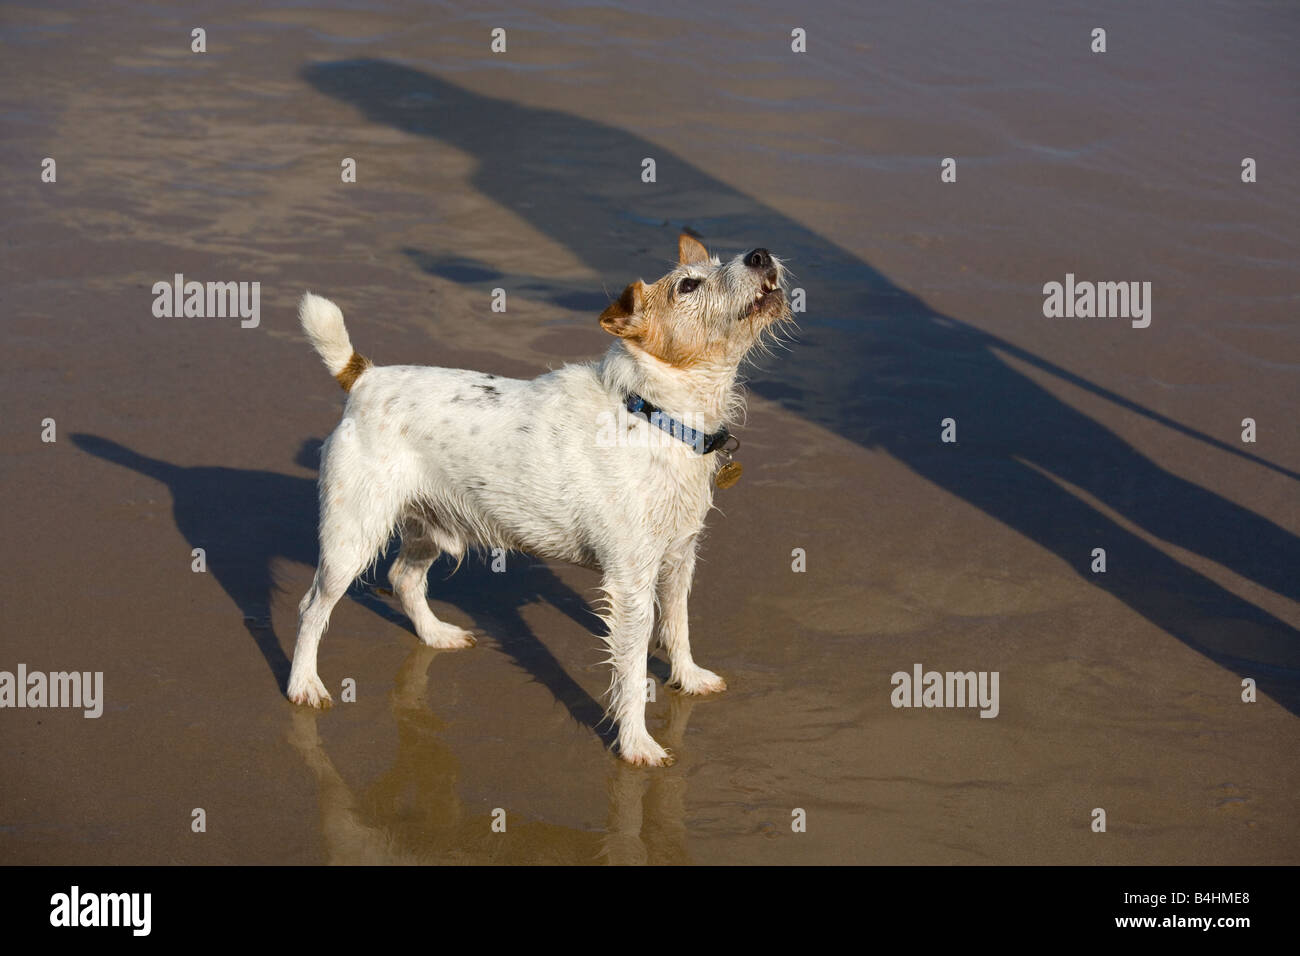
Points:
(675, 575)
(631, 622)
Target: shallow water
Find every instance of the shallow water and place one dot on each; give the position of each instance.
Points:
(522, 171)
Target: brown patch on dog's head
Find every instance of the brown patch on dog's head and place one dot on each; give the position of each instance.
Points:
(622, 317)
(642, 319)
(701, 313)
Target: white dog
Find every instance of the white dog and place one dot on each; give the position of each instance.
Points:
(610, 465)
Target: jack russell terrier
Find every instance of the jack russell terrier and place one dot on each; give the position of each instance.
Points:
(609, 464)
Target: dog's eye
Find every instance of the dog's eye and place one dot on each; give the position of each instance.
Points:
(687, 286)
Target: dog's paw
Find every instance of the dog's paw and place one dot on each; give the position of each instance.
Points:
(447, 637)
(310, 692)
(698, 681)
(645, 752)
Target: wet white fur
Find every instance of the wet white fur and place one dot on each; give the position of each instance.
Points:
(454, 459)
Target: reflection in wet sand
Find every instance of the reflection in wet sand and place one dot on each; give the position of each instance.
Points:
(412, 815)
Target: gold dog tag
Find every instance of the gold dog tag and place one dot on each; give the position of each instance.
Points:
(728, 474)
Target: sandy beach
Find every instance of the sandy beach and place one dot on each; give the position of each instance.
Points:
(521, 170)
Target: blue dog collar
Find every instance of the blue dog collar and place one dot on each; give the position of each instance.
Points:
(703, 442)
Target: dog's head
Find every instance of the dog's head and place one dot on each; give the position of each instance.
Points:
(703, 312)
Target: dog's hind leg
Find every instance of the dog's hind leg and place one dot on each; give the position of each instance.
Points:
(339, 567)
(408, 575)
(355, 524)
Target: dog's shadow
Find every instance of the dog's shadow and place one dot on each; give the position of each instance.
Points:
(247, 520)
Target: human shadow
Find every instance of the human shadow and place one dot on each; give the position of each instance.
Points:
(876, 365)
(248, 520)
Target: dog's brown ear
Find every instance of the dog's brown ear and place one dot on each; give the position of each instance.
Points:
(623, 317)
(690, 250)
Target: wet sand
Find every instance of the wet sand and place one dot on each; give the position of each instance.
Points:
(522, 171)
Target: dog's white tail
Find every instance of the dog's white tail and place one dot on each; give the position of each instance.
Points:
(323, 323)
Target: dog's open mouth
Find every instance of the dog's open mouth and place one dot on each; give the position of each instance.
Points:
(767, 300)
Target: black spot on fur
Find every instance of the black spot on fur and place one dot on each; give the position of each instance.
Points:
(490, 392)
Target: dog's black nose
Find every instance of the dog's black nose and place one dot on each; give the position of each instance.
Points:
(758, 259)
